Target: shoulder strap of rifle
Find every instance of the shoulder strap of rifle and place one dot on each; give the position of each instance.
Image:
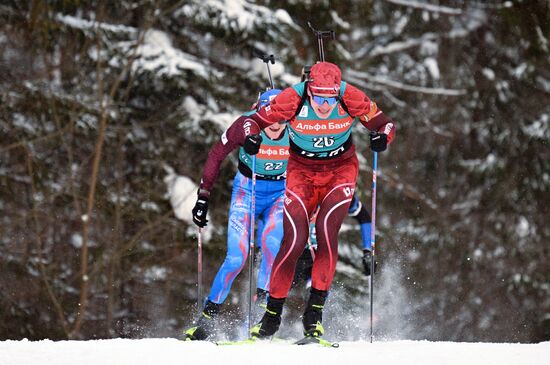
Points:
(302, 101)
(341, 100)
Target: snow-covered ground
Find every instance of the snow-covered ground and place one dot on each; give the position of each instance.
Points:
(172, 351)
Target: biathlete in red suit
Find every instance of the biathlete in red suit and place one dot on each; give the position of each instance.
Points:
(322, 170)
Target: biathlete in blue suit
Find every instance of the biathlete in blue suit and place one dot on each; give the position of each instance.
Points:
(271, 150)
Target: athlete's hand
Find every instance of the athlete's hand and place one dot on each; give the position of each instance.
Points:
(252, 144)
(199, 211)
(378, 141)
(367, 254)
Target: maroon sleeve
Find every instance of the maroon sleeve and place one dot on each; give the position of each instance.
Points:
(232, 138)
(359, 105)
(282, 108)
(381, 124)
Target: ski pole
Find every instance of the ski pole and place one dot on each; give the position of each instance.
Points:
(373, 243)
(320, 34)
(199, 271)
(251, 255)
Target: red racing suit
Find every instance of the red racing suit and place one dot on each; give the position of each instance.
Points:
(327, 181)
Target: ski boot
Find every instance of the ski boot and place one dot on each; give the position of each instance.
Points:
(204, 326)
(313, 316)
(313, 336)
(271, 320)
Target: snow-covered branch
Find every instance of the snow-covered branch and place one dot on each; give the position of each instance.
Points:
(84, 24)
(400, 46)
(362, 76)
(428, 7)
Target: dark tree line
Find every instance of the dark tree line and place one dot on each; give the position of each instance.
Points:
(97, 98)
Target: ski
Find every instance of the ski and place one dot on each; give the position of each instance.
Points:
(253, 340)
(310, 340)
(248, 341)
(307, 340)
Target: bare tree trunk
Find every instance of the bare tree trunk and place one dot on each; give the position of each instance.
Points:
(84, 285)
(84, 279)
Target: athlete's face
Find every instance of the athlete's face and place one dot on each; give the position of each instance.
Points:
(274, 131)
(322, 108)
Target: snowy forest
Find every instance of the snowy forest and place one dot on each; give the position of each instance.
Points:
(109, 108)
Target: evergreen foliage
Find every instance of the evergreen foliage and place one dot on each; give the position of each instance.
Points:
(97, 97)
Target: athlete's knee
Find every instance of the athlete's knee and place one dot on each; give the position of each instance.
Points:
(271, 246)
(234, 262)
(237, 226)
(328, 225)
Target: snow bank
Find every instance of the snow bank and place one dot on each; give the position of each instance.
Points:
(172, 351)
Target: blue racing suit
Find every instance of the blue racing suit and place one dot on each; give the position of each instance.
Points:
(269, 216)
(271, 162)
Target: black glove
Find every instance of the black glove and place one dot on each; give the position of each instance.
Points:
(200, 210)
(378, 142)
(252, 144)
(367, 254)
